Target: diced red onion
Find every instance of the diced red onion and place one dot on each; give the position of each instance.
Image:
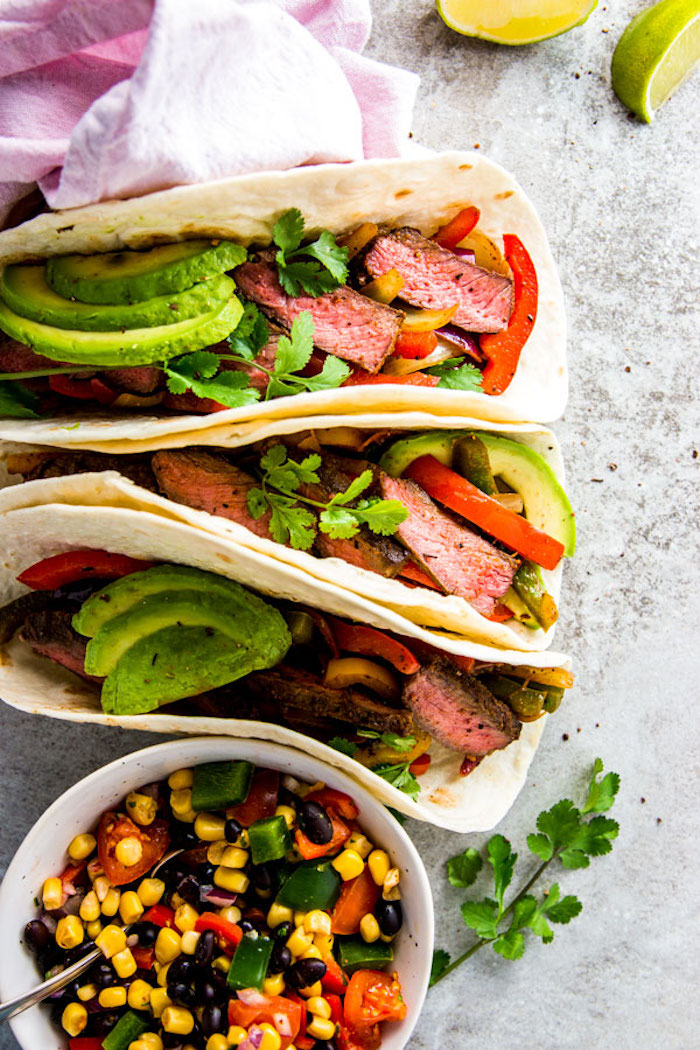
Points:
(152, 790)
(255, 1038)
(465, 253)
(132, 940)
(466, 342)
(72, 905)
(49, 921)
(282, 1023)
(222, 898)
(252, 997)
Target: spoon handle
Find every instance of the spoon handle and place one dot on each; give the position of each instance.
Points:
(54, 984)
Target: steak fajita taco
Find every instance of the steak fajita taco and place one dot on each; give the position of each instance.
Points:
(460, 530)
(125, 617)
(404, 285)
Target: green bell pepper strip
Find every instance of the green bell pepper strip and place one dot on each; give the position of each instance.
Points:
(126, 1031)
(354, 954)
(316, 885)
(269, 839)
(528, 585)
(218, 785)
(471, 460)
(249, 965)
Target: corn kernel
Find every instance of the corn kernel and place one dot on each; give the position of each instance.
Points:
(222, 963)
(177, 1019)
(217, 1042)
(311, 952)
(159, 1000)
(299, 917)
(74, 1019)
(289, 814)
(110, 905)
(235, 857)
(168, 945)
(321, 1028)
(141, 808)
(391, 885)
(129, 851)
(101, 886)
(324, 942)
(307, 789)
(278, 914)
(189, 942)
(89, 907)
(69, 932)
(162, 972)
(81, 847)
(215, 852)
(111, 940)
(94, 868)
(147, 1041)
(299, 941)
(312, 990)
(317, 921)
(52, 894)
(186, 918)
(271, 1039)
(181, 778)
(232, 880)
(113, 997)
(139, 995)
(130, 907)
(274, 985)
(94, 929)
(387, 937)
(231, 914)
(236, 1035)
(369, 928)
(379, 865)
(208, 827)
(348, 864)
(361, 844)
(181, 802)
(319, 1006)
(124, 963)
(87, 992)
(176, 900)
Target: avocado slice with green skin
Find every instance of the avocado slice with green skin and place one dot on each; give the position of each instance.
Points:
(545, 503)
(121, 595)
(177, 662)
(230, 615)
(132, 276)
(139, 346)
(27, 292)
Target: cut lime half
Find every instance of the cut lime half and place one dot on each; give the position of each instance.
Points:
(655, 54)
(514, 21)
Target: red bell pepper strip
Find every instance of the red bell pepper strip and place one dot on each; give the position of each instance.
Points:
(303, 1042)
(86, 1042)
(143, 957)
(329, 798)
(160, 915)
(310, 851)
(230, 931)
(336, 1005)
(57, 571)
(362, 378)
(413, 345)
(261, 800)
(503, 349)
(80, 389)
(449, 235)
(499, 614)
(420, 765)
(69, 875)
(464, 663)
(415, 574)
(356, 638)
(358, 897)
(102, 393)
(335, 979)
(460, 496)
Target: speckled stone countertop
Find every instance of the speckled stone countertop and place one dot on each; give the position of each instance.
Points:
(620, 202)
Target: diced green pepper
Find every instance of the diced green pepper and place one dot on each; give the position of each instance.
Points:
(269, 839)
(471, 460)
(126, 1031)
(554, 697)
(527, 702)
(249, 965)
(314, 885)
(528, 585)
(354, 954)
(218, 785)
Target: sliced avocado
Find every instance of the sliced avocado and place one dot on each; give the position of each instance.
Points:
(132, 276)
(122, 594)
(439, 443)
(139, 346)
(26, 291)
(178, 662)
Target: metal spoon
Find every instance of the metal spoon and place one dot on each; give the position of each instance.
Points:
(54, 984)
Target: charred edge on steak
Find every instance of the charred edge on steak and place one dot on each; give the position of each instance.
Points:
(50, 633)
(57, 463)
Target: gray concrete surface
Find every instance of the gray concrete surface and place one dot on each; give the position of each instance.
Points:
(620, 201)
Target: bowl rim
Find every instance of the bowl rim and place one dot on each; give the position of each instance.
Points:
(261, 752)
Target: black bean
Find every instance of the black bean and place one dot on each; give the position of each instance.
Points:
(36, 935)
(147, 933)
(287, 798)
(207, 991)
(305, 973)
(325, 1044)
(262, 876)
(204, 952)
(188, 888)
(232, 830)
(283, 931)
(103, 1023)
(180, 970)
(315, 823)
(178, 991)
(389, 916)
(206, 873)
(246, 926)
(182, 835)
(105, 976)
(213, 1020)
(280, 959)
(172, 1041)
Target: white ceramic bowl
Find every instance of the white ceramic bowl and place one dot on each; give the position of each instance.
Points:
(43, 853)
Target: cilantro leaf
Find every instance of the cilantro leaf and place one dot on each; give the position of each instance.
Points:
(307, 275)
(502, 860)
(331, 255)
(340, 523)
(511, 945)
(441, 960)
(257, 504)
(323, 265)
(290, 523)
(382, 516)
(601, 794)
(541, 846)
(481, 917)
(594, 839)
(560, 909)
(332, 375)
(560, 823)
(342, 744)
(201, 364)
(199, 373)
(400, 777)
(288, 231)
(463, 869)
(293, 353)
(356, 487)
(16, 402)
(398, 743)
(456, 375)
(251, 334)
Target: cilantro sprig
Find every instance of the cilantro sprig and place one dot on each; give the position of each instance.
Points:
(16, 402)
(564, 834)
(392, 740)
(400, 777)
(455, 374)
(292, 522)
(317, 267)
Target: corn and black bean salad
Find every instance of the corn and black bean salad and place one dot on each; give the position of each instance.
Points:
(233, 907)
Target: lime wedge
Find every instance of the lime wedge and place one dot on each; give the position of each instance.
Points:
(514, 21)
(655, 54)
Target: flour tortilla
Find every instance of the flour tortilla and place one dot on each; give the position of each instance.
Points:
(424, 607)
(38, 686)
(424, 192)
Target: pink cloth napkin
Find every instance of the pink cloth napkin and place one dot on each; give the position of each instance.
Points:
(102, 99)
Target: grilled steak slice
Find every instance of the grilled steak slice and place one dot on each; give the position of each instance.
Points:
(50, 633)
(16, 357)
(207, 481)
(57, 463)
(297, 692)
(457, 558)
(456, 709)
(142, 380)
(435, 278)
(346, 324)
(265, 358)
